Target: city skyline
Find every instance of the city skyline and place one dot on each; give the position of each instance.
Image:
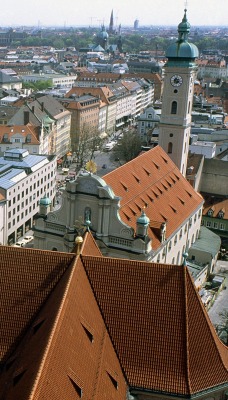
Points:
(96, 13)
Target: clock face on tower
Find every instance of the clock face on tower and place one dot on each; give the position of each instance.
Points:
(176, 80)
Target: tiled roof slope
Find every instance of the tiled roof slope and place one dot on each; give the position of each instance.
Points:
(27, 278)
(66, 349)
(23, 130)
(90, 247)
(158, 325)
(216, 204)
(152, 181)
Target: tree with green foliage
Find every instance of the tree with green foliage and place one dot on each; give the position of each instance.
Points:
(38, 85)
(128, 147)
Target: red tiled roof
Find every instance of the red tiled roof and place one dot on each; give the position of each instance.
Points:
(66, 347)
(66, 318)
(103, 92)
(90, 247)
(217, 204)
(23, 130)
(159, 327)
(18, 269)
(152, 181)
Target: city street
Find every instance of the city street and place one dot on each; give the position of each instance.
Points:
(105, 162)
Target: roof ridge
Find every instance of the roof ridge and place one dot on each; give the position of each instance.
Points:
(215, 341)
(187, 331)
(54, 326)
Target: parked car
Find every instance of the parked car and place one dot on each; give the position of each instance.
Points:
(28, 238)
(83, 172)
(19, 244)
(109, 146)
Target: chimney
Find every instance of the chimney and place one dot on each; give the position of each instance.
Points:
(26, 117)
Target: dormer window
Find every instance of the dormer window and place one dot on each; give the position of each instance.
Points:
(210, 213)
(221, 214)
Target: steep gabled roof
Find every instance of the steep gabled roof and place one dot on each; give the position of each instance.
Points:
(27, 279)
(65, 350)
(90, 246)
(217, 204)
(158, 326)
(152, 181)
(74, 325)
(23, 130)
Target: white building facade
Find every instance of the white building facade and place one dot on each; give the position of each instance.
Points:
(24, 180)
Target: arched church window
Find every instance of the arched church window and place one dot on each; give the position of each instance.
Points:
(170, 148)
(174, 107)
(189, 104)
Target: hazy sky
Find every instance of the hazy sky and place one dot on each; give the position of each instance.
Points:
(95, 12)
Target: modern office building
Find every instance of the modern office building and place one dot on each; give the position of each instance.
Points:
(24, 180)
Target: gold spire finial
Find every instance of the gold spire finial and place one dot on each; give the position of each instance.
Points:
(78, 242)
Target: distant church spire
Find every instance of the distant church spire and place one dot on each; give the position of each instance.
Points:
(111, 24)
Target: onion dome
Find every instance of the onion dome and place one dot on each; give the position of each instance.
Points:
(45, 201)
(103, 34)
(182, 49)
(143, 219)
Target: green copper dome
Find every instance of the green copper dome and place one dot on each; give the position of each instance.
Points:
(182, 49)
(45, 201)
(143, 219)
(103, 34)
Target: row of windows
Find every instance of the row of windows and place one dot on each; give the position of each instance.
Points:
(20, 217)
(34, 177)
(23, 214)
(185, 230)
(215, 225)
(22, 194)
(22, 205)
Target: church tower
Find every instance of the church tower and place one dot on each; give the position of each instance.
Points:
(111, 24)
(180, 73)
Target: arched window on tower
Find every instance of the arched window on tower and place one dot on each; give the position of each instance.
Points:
(170, 148)
(189, 107)
(174, 107)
